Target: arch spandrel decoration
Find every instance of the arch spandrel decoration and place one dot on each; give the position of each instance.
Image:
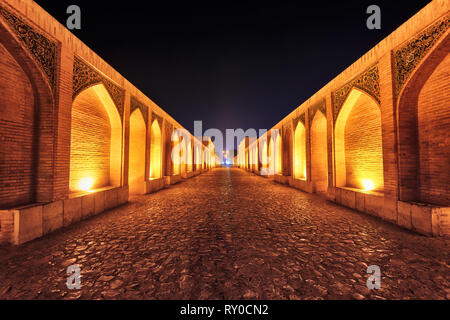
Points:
(317, 107)
(302, 118)
(368, 81)
(158, 118)
(136, 104)
(408, 57)
(84, 76)
(41, 48)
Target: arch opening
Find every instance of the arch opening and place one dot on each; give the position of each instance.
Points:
(300, 152)
(96, 141)
(358, 144)
(175, 155)
(319, 156)
(18, 152)
(136, 171)
(264, 155)
(155, 151)
(424, 131)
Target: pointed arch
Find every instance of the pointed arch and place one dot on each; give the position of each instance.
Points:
(136, 170)
(319, 156)
(358, 143)
(264, 154)
(26, 125)
(198, 158)
(277, 152)
(175, 154)
(300, 152)
(155, 151)
(96, 140)
(423, 115)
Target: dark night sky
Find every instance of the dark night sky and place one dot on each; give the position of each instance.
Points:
(232, 64)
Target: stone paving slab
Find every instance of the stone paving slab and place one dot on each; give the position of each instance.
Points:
(228, 234)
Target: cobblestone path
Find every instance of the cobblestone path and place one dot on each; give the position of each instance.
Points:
(228, 234)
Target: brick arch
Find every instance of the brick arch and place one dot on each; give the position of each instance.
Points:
(264, 153)
(423, 130)
(155, 150)
(189, 155)
(175, 153)
(300, 151)
(138, 134)
(319, 156)
(275, 151)
(96, 140)
(26, 126)
(358, 143)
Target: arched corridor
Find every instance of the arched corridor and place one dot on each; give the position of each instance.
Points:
(266, 174)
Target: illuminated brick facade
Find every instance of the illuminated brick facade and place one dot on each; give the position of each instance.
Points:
(75, 136)
(384, 148)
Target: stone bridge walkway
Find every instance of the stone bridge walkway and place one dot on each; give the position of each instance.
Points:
(228, 234)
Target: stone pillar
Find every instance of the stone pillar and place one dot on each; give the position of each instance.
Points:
(388, 127)
(125, 138)
(63, 125)
(148, 141)
(308, 146)
(330, 141)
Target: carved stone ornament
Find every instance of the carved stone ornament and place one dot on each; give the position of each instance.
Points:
(321, 106)
(410, 54)
(368, 81)
(136, 104)
(41, 48)
(85, 76)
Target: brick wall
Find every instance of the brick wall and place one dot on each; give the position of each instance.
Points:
(363, 144)
(434, 136)
(90, 141)
(17, 131)
(319, 160)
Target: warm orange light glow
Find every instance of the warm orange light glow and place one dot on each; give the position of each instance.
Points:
(155, 151)
(300, 152)
(85, 184)
(368, 185)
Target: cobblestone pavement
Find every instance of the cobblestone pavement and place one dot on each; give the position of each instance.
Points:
(228, 234)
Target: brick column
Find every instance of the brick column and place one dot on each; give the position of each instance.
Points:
(63, 125)
(126, 138)
(388, 127)
(308, 146)
(330, 140)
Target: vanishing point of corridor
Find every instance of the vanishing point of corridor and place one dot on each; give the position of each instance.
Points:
(241, 237)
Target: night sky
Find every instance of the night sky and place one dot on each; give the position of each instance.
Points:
(232, 64)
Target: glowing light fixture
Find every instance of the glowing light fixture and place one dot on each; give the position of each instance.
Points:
(368, 185)
(85, 184)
